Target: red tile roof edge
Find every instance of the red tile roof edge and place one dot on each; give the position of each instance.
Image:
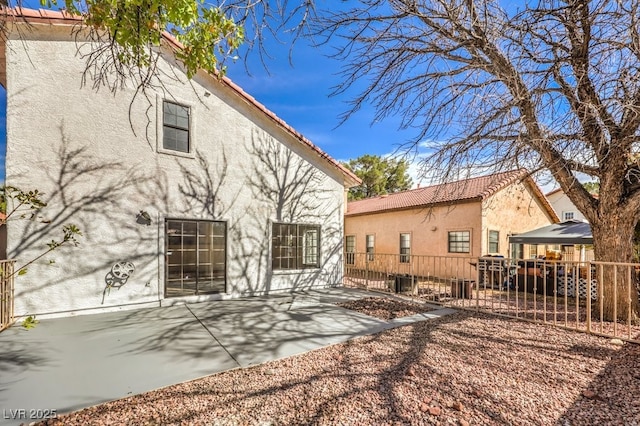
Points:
(553, 191)
(42, 16)
(417, 206)
(508, 178)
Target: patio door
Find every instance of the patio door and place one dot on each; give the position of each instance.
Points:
(195, 253)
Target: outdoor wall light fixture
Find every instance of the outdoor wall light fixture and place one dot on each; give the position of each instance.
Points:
(143, 218)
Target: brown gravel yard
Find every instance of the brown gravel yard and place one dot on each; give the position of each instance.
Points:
(464, 368)
(385, 308)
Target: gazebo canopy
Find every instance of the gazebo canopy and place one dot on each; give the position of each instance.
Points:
(569, 232)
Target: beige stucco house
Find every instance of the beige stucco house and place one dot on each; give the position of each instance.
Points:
(193, 191)
(468, 218)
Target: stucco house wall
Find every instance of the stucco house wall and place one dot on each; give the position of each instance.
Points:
(564, 207)
(98, 158)
(429, 229)
(513, 210)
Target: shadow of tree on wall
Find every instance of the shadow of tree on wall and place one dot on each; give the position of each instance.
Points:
(274, 185)
(103, 199)
(280, 178)
(208, 192)
(202, 188)
(287, 189)
(91, 192)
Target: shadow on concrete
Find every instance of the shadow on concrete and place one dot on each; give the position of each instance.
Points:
(74, 362)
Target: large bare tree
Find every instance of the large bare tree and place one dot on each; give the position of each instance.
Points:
(552, 85)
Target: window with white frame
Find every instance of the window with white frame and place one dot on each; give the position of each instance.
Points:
(459, 241)
(310, 245)
(371, 246)
(405, 248)
(295, 246)
(494, 241)
(533, 251)
(518, 251)
(175, 127)
(350, 249)
(567, 216)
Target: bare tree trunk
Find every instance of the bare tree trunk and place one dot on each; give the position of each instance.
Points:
(614, 237)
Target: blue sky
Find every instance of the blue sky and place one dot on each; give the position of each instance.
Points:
(299, 94)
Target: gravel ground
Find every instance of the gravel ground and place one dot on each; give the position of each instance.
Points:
(464, 368)
(385, 308)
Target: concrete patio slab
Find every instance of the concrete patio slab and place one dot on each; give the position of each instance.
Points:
(70, 363)
(256, 336)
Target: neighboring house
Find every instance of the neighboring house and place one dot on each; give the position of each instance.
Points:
(567, 211)
(192, 192)
(472, 217)
(563, 206)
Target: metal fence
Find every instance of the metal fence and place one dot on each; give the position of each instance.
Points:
(6, 293)
(593, 297)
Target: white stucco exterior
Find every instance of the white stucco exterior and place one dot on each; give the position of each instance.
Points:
(98, 159)
(563, 206)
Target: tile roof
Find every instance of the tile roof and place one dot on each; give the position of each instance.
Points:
(553, 191)
(53, 17)
(466, 190)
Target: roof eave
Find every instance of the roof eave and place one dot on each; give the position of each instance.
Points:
(417, 207)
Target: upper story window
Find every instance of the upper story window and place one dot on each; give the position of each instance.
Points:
(295, 246)
(567, 216)
(494, 241)
(175, 127)
(405, 248)
(459, 242)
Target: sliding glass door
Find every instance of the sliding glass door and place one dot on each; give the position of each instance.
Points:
(195, 257)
